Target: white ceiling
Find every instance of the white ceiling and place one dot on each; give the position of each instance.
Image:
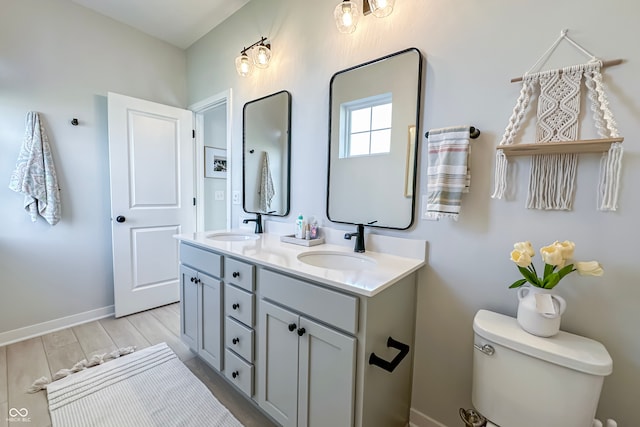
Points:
(180, 22)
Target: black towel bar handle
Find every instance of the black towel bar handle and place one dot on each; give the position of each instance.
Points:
(386, 365)
(473, 133)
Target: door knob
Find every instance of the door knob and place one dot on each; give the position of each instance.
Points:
(121, 218)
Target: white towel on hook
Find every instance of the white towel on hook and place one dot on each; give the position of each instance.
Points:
(35, 174)
(448, 174)
(266, 189)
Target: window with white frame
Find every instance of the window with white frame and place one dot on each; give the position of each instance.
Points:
(366, 129)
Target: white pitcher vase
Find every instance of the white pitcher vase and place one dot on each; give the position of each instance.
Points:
(531, 319)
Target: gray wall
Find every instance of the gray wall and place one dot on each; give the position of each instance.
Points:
(61, 59)
(472, 50)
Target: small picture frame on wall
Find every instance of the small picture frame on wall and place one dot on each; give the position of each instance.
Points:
(215, 162)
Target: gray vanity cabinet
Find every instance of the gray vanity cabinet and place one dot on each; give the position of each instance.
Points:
(310, 370)
(309, 354)
(201, 303)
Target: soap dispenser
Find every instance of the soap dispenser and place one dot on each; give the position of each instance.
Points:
(300, 227)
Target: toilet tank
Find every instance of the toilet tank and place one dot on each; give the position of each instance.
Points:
(531, 381)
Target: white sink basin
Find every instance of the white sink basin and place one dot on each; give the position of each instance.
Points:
(232, 237)
(337, 260)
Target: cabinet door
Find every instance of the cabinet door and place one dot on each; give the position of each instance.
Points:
(189, 307)
(326, 376)
(210, 338)
(278, 363)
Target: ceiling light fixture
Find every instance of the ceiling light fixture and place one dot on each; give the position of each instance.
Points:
(258, 55)
(347, 14)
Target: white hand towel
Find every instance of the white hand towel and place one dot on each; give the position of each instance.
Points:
(448, 174)
(35, 174)
(266, 189)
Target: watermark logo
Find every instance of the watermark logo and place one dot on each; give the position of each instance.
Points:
(19, 415)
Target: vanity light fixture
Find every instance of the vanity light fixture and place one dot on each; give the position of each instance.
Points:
(347, 14)
(258, 55)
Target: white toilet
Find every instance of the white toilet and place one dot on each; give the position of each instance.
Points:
(521, 380)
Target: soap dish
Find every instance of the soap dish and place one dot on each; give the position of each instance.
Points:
(302, 242)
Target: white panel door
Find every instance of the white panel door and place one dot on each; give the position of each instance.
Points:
(152, 189)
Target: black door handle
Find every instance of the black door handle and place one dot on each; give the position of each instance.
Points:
(292, 327)
(301, 331)
(121, 218)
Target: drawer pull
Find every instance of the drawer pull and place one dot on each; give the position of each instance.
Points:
(235, 306)
(236, 274)
(292, 327)
(236, 340)
(193, 279)
(235, 374)
(301, 332)
(386, 365)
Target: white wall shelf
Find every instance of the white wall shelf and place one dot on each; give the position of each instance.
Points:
(560, 147)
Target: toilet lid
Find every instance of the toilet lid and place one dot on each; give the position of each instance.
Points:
(564, 349)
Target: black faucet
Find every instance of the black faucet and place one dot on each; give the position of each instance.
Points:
(359, 235)
(257, 220)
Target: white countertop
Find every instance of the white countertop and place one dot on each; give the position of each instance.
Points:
(270, 252)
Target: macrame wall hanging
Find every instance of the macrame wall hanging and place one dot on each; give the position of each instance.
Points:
(553, 174)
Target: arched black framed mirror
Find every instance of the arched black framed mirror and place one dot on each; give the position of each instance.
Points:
(374, 115)
(266, 160)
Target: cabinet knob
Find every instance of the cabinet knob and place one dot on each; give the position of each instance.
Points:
(292, 327)
(236, 340)
(301, 332)
(236, 274)
(235, 306)
(193, 279)
(235, 374)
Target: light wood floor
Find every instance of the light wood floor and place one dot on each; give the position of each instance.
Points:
(23, 362)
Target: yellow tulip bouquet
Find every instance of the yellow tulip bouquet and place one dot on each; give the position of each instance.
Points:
(556, 258)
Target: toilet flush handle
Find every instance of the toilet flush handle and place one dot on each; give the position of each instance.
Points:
(486, 349)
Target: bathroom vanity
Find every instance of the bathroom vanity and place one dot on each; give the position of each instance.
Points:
(310, 344)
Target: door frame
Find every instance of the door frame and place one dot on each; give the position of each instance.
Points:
(198, 109)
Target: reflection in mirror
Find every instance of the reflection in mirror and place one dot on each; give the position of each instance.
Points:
(373, 129)
(265, 154)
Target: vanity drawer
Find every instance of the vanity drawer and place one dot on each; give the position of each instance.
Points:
(239, 273)
(239, 372)
(326, 305)
(239, 304)
(239, 338)
(201, 259)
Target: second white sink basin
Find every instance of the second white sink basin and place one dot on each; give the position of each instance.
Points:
(337, 260)
(232, 237)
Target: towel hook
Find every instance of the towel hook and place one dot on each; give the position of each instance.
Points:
(74, 122)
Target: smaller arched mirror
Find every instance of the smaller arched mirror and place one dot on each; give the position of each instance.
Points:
(266, 142)
(373, 140)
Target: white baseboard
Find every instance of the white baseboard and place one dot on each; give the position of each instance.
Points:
(38, 329)
(418, 419)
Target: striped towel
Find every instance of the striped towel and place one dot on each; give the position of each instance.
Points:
(448, 174)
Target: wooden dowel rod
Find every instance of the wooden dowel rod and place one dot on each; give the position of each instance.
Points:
(604, 64)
